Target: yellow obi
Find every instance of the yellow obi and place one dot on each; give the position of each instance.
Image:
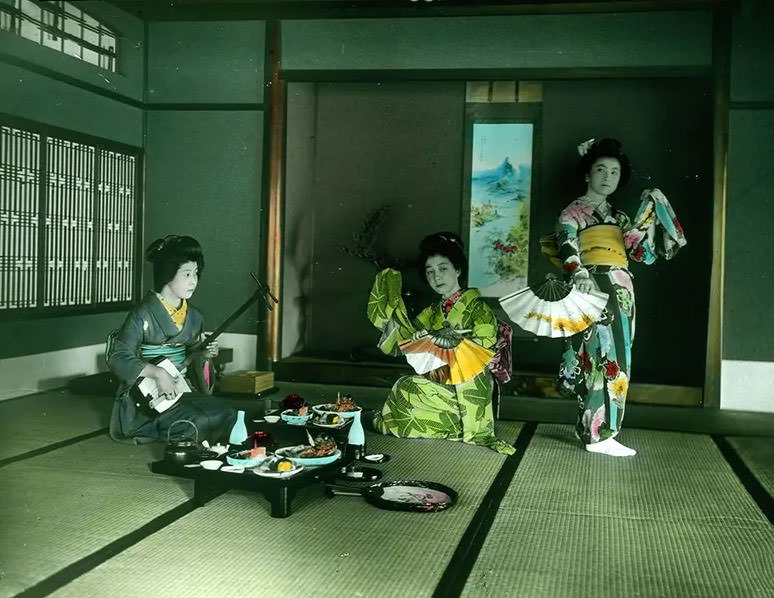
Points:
(602, 245)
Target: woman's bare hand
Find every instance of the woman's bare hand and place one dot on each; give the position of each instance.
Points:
(211, 350)
(164, 381)
(584, 284)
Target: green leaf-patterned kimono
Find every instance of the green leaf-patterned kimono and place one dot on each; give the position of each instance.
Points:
(418, 407)
(596, 363)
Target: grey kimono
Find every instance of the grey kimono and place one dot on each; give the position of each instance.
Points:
(149, 326)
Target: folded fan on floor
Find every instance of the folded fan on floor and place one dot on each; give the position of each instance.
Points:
(554, 308)
(446, 347)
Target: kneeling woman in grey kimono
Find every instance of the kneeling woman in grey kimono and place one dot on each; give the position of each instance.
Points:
(165, 324)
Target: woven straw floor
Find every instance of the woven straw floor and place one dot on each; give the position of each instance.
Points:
(60, 507)
(673, 521)
(39, 420)
(341, 546)
(758, 455)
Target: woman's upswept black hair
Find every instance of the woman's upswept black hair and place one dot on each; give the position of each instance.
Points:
(447, 244)
(605, 148)
(168, 254)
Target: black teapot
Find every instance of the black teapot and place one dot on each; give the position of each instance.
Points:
(181, 449)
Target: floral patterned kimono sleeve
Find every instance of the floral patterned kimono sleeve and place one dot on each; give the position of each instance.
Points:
(387, 312)
(571, 221)
(655, 232)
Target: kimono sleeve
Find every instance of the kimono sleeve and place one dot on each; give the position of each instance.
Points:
(481, 319)
(571, 221)
(124, 359)
(655, 231)
(387, 312)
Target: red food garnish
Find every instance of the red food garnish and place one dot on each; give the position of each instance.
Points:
(293, 401)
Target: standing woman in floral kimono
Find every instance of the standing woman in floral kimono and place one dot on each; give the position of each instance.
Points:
(165, 324)
(420, 406)
(595, 243)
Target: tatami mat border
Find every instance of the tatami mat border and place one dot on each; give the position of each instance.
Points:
(52, 447)
(458, 570)
(87, 563)
(762, 498)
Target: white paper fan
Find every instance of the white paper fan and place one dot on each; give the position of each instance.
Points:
(554, 308)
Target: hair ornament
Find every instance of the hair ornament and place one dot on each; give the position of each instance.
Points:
(159, 246)
(168, 239)
(583, 148)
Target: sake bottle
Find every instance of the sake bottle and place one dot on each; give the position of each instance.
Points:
(356, 437)
(239, 431)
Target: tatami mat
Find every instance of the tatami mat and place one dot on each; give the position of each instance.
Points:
(340, 546)
(758, 455)
(60, 507)
(576, 555)
(672, 521)
(39, 420)
(99, 455)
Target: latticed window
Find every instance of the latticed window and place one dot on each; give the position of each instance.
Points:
(68, 221)
(61, 26)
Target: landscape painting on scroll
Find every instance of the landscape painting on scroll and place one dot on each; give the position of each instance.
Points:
(500, 194)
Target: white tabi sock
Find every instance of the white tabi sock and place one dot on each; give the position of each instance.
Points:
(611, 447)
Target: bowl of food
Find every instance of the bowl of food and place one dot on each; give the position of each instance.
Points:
(247, 458)
(296, 417)
(324, 451)
(330, 420)
(344, 407)
(277, 467)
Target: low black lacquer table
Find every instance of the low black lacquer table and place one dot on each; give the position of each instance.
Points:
(209, 484)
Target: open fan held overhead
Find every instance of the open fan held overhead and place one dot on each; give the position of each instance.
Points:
(554, 308)
(446, 347)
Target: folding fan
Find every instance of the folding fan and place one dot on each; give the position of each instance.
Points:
(554, 308)
(464, 358)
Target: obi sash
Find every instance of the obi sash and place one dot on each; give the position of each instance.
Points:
(602, 245)
(175, 353)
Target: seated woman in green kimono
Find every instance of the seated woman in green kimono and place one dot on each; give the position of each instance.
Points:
(419, 406)
(165, 324)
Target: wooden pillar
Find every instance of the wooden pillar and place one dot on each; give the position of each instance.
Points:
(276, 97)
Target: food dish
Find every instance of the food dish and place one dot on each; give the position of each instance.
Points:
(272, 419)
(293, 417)
(326, 408)
(330, 420)
(232, 469)
(344, 406)
(292, 453)
(242, 458)
(267, 469)
(375, 457)
(211, 464)
(410, 495)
